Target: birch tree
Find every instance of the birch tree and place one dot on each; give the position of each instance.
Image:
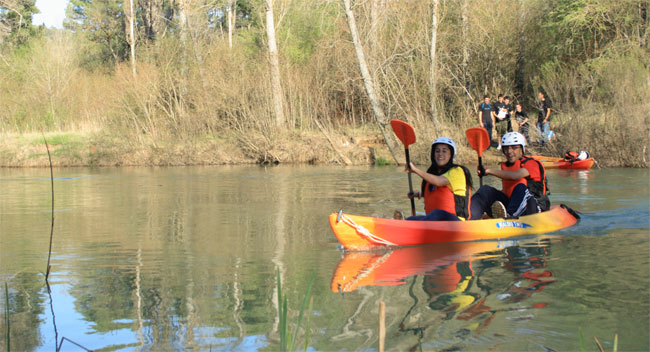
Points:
(230, 18)
(368, 82)
(276, 86)
(130, 36)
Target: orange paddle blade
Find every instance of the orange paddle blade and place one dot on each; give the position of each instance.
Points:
(478, 139)
(403, 131)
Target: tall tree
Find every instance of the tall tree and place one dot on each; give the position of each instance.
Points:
(231, 14)
(465, 38)
(130, 18)
(156, 17)
(368, 82)
(102, 23)
(433, 79)
(276, 86)
(16, 20)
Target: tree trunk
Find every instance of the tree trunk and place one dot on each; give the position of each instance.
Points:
(374, 20)
(433, 69)
(182, 18)
(130, 36)
(465, 65)
(368, 83)
(276, 86)
(520, 66)
(230, 20)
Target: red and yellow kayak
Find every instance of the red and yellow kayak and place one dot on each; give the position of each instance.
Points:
(561, 163)
(365, 233)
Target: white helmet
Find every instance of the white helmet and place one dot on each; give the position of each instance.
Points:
(514, 138)
(447, 141)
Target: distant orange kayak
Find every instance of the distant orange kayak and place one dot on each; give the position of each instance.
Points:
(560, 163)
(366, 233)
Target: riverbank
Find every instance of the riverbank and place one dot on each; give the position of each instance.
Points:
(363, 146)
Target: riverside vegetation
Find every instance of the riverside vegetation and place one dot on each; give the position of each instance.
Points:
(210, 82)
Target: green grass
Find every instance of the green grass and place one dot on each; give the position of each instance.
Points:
(58, 138)
(287, 339)
(584, 349)
(381, 161)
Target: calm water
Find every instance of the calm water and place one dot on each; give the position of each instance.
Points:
(186, 259)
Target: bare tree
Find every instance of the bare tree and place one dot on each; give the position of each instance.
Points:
(465, 38)
(368, 83)
(433, 69)
(154, 21)
(230, 14)
(276, 86)
(130, 35)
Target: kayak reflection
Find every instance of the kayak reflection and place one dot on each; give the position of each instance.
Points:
(392, 267)
(463, 281)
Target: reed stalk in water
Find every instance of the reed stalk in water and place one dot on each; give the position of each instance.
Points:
(49, 253)
(287, 339)
(7, 318)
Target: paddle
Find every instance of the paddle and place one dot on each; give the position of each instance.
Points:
(479, 140)
(406, 134)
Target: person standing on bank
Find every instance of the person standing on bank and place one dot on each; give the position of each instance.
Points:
(521, 118)
(543, 118)
(509, 111)
(486, 116)
(524, 184)
(446, 187)
(501, 114)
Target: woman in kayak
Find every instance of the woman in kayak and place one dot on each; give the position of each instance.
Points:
(524, 185)
(446, 187)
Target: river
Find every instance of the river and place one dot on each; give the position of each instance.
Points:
(188, 258)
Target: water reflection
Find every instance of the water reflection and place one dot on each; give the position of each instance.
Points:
(185, 259)
(461, 282)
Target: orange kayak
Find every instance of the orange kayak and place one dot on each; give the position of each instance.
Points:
(366, 233)
(561, 163)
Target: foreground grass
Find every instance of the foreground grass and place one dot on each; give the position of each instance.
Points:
(287, 338)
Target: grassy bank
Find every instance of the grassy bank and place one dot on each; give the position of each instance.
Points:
(613, 143)
(75, 148)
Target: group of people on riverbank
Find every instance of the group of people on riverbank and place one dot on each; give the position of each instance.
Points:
(446, 186)
(496, 118)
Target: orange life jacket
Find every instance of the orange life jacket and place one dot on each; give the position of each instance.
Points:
(571, 156)
(443, 198)
(536, 181)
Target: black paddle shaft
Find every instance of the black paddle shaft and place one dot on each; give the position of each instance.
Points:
(408, 165)
(480, 176)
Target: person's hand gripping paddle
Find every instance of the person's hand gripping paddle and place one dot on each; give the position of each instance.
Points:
(479, 140)
(406, 134)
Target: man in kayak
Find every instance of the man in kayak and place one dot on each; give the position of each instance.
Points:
(523, 181)
(446, 187)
